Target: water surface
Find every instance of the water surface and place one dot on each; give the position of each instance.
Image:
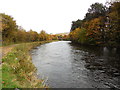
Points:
(74, 66)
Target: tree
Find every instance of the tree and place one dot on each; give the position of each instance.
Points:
(8, 27)
(43, 36)
(74, 35)
(33, 36)
(114, 24)
(76, 24)
(101, 25)
(96, 10)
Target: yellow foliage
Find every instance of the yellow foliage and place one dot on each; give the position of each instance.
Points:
(74, 35)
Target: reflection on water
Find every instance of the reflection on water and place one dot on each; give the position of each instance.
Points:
(74, 66)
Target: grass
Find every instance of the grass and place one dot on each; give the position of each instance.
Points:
(18, 70)
(0, 76)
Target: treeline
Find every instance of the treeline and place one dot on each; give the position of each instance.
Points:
(12, 33)
(101, 25)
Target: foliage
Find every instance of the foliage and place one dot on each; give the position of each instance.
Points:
(18, 70)
(12, 33)
(76, 24)
(60, 36)
(43, 36)
(74, 35)
(82, 36)
(96, 10)
(114, 22)
(101, 25)
(8, 27)
(79, 35)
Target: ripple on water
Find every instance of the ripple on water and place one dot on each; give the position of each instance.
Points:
(72, 66)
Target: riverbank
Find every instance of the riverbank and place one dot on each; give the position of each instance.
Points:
(6, 49)
(98, 45)
(103, 62)
(18, 70)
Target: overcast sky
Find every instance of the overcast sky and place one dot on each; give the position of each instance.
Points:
(53, 16)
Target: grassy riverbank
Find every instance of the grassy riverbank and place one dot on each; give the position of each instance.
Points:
(18, 70)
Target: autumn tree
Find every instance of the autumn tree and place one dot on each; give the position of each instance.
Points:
(43, 36)
(8, 27)
(12, 33)
(96, 10)
(101, 25)
(114, 22)
(33, 36)
(76, 24)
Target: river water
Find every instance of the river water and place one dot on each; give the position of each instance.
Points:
(66, 65)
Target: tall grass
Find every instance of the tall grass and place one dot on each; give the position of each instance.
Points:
(18, 70)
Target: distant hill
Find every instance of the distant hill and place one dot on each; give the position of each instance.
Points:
(66, 33)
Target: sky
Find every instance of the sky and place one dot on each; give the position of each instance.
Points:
(53, 16)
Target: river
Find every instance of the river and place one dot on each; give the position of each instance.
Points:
(66, 65)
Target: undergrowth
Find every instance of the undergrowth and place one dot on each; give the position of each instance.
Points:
(18, 70)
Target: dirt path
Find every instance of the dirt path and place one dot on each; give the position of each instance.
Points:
(5, 50)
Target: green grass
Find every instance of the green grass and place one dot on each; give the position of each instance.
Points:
(0, 76)
(18, 70)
